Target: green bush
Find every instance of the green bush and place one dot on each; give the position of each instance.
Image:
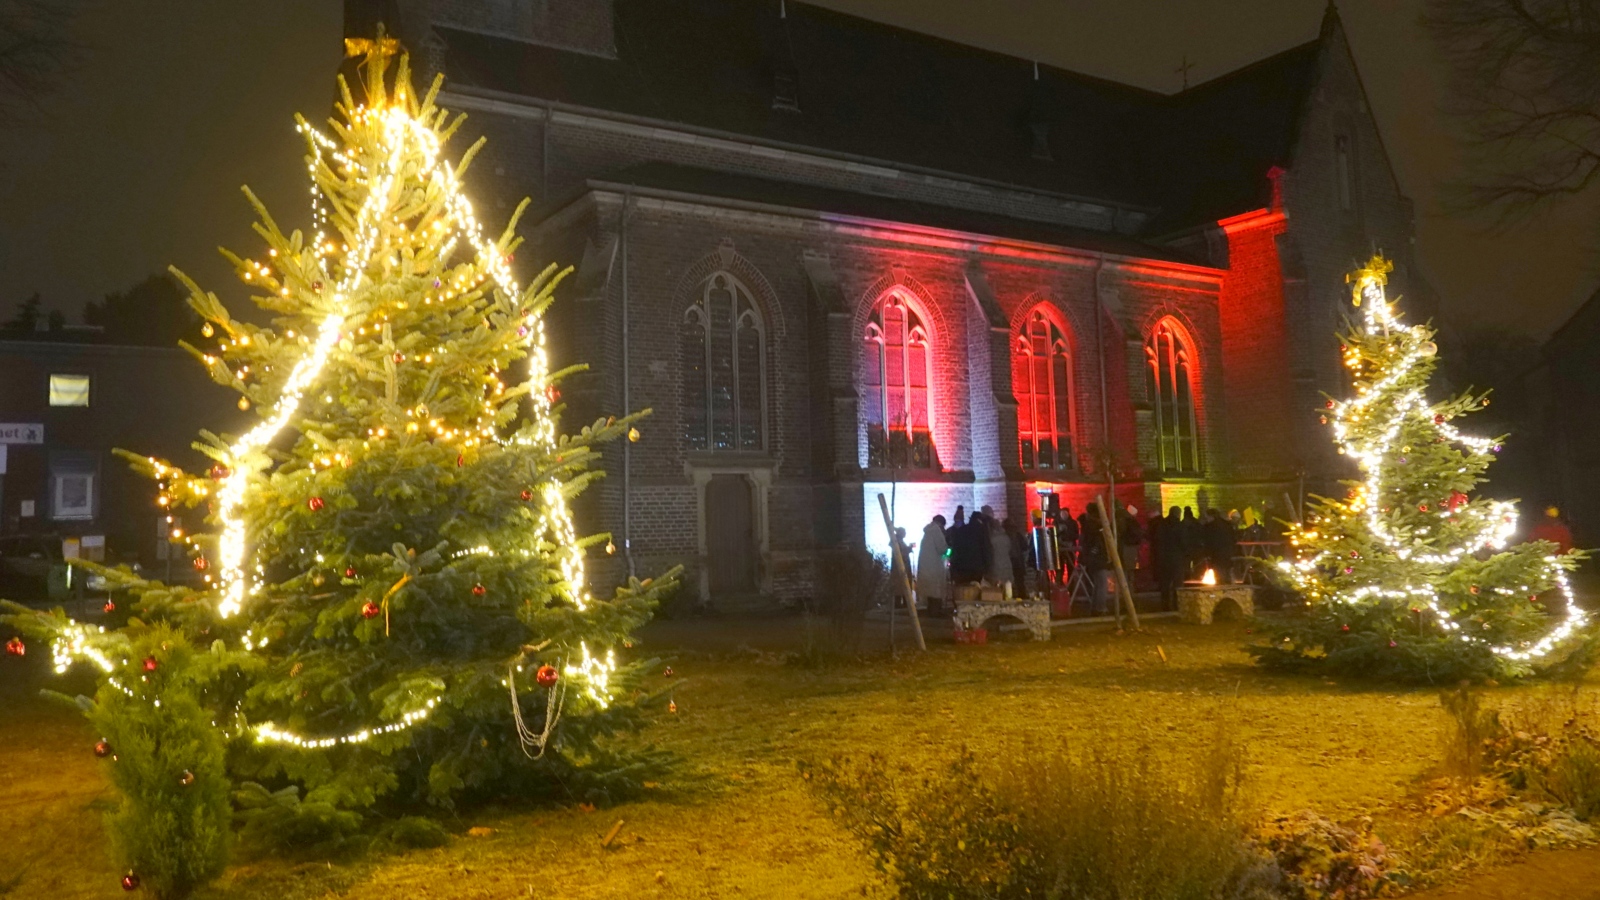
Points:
(849, 583)
(167, 761)
(1090, 826)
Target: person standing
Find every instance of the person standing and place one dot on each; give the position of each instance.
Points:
(1130, 537)
(969, 551)
(1095, 560)
(933, 581)
(1000, 571)
(1221, 545)
(1553, 529)
(1194, 542)
(1019, 554)
(1169, 558)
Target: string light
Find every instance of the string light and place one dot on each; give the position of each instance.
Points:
(405, 137)
(1491, 524)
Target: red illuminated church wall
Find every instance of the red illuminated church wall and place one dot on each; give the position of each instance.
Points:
(1254, 347)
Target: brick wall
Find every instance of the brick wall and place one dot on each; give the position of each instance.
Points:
(1255, 351)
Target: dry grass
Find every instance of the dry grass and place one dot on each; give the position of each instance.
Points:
(738, 822)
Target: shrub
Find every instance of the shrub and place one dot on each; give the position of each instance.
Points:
(1322, 858)
(1469, 730)
(167, 761)
(1054, 824)
(849, 583)
(1550, 748)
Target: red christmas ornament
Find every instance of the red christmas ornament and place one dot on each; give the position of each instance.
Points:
(1393, 644)
(526, 495)
(315, 503)
(1422, 507)
(667, 672)
(479, 590)
(1457, 499)
(1473, 589)
(399, 357)
(547, 676)
(1344, 627)
(370, 610)
(200, 564)
(461, 460)
(349, 571)
(16, 647)
(130, 882)
(102, 748)
(150, 663)
(1330, 404)
(1438, 419)
(110, 606)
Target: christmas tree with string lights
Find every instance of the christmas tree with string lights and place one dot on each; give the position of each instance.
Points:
(1408, 576)
(393, 587)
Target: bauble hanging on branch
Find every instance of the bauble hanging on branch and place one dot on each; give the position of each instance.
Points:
(15, 647)
(547, 676)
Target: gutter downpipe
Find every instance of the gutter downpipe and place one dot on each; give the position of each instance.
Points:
(627, 395)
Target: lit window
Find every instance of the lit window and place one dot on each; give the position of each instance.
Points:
(895, 377)
(1341, 153)
(1042, 381)
(69, 390)
(1171, 372)
(72, 495)
(724, 369)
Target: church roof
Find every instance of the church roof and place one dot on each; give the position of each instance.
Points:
(871, 90)
(693, 182)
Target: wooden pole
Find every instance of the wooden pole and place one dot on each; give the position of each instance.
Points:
(905, 573)
(1112, 551)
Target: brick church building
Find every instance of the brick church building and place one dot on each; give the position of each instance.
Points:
(838, 258)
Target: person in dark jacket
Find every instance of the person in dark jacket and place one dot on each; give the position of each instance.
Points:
(1130, 537)
(970, 550)
(1094, 559)
(1169, 557)
(1222, 545)
(1019, 554)
(1067, 541)
(1194, 543)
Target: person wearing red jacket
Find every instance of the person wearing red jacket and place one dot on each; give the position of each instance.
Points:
(1554, 530)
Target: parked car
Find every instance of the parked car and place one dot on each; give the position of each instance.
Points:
(32, 570)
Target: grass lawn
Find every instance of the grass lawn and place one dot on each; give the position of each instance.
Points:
(737, 820)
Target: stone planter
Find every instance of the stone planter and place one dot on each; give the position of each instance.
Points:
(1199, 604)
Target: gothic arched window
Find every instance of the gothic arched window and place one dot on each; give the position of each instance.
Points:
(1170, 357)
(724, 369)
(1042, 381)
(896, 381)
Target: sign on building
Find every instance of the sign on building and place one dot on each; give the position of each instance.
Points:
(21, 433)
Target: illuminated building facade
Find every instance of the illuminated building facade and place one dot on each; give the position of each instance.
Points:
(837, 258)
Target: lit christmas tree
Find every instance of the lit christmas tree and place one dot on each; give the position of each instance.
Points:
(1408, 576)
(392, 580)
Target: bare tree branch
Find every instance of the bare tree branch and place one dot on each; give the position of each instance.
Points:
(1525, 80)
(36, 51)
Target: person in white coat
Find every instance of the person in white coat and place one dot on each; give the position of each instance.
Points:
(933, 579)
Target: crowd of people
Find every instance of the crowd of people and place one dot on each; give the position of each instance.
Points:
(1174, 548)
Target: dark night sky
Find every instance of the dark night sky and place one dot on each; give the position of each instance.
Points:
(178, 102)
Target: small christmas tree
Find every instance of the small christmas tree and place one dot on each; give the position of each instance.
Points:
(1408, 576)
(389, 550)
